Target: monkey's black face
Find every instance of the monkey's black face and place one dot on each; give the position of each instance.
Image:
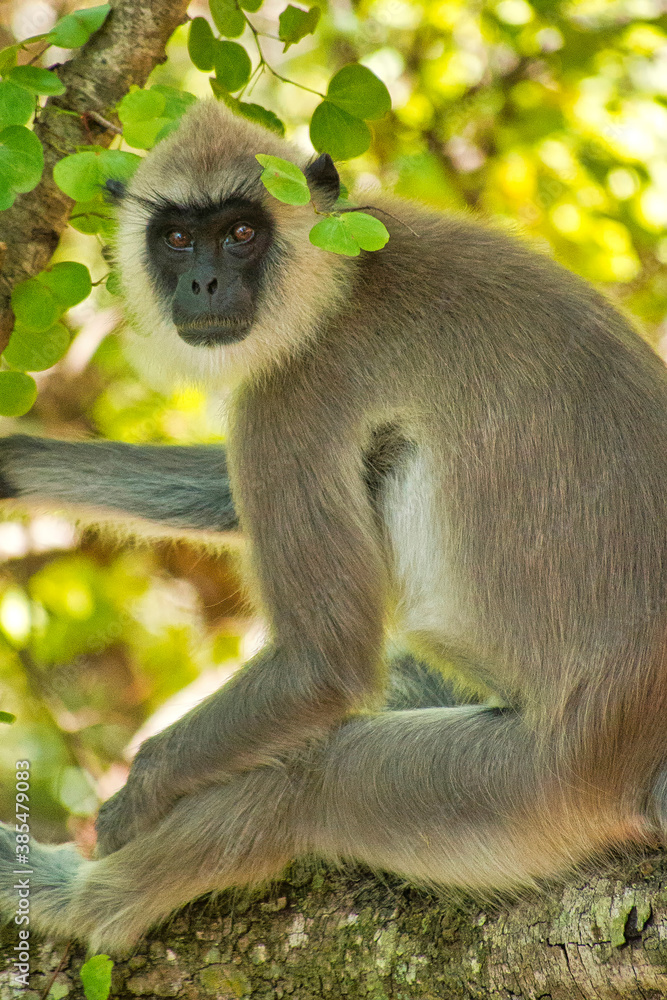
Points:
(207, 263)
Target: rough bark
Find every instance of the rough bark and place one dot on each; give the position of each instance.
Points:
(123, 52)
(323, 933)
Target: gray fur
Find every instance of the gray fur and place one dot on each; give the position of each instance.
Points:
(177, 487)
(455, 440)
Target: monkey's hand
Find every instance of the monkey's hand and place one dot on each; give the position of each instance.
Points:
(118, 821)
(158, 778)
(138, 806)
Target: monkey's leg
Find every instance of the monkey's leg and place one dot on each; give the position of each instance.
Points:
(230, 835)
(186, 488)
(462, 796)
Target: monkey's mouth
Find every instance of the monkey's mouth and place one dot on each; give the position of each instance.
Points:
(213, 334)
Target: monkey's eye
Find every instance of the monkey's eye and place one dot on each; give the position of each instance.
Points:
(241, 233)
(179, 239)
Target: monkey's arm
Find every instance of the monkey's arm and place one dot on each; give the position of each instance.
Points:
(186, 488)
(320, 569)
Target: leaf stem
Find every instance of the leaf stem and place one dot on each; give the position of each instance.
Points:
(263, 62)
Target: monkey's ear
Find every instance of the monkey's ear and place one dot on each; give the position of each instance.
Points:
(115, 190)
(323, 178)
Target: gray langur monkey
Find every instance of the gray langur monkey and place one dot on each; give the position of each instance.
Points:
(452, 439)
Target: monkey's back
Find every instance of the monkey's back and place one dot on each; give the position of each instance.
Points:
(527, 520)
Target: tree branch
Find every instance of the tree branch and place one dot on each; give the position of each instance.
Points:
(322, 933)
(123, 52)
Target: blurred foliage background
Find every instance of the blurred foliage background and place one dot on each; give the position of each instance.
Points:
(549, 117)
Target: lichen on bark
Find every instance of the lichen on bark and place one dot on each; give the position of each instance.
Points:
(322, 932)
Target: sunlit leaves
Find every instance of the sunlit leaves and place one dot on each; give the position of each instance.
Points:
(349, 233)
(34, 305)
(338, 125)
(83, 175)
(96, 977)
(338, 133)
(201, 44)
(149, 115)
(16, 104)
(21, 162)
(79, 175)
(284, 180)
(232, 65)
(8, 57)
(227, 17)
(7, 718)
(35, 352)
(76, 28)
(358, 91)
(294, 24)
(18, 392)
(346, 233)
(253, 112)
(38, 340)
(37, 80)
(69, 281)
(331, 234)
(140, 113)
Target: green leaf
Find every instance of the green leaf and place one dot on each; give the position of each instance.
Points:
(294, 24)
(113, 283)
(232, 65)
(150, 115)
(227, 17)
(176, 102)
(82, 176)
(8, 57)
(95, 216)
(69, 281)
(284, 180)
(21, 162)
(7, 717)
(76, 28)
(96, 977)
(262, 116)
(369, 232)
(36, 80)
(331, 234)
(338, 133)
(21, 157)
(359, 92)
(144, 135)
(78, 175)
(142, 118)
(253, 112)
(117, 164)
(16, 104)
(34, 305)
(201, 44)
(140, 106)
(252, 6)
(17, 393)
(35, 352)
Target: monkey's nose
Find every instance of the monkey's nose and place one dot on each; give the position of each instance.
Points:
(211, 286)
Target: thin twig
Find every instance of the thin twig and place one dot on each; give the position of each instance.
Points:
(382, 211)
(105, 122)
(61, 964)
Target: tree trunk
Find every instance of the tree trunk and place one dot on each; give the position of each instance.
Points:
(123, 52)
(323, 933)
